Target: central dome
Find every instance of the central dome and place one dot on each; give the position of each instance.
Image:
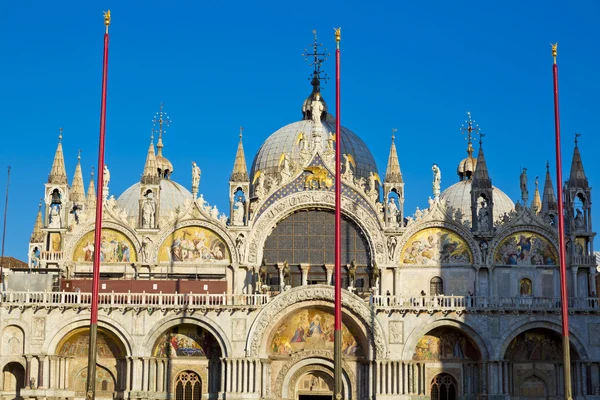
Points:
(285, 141)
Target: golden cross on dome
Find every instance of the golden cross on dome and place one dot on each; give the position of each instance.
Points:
(471, 129)
(162, 120)
(318, 57)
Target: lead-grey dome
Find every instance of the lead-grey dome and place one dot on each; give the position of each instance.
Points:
(458, 196)
(284, 141)
(172, 195)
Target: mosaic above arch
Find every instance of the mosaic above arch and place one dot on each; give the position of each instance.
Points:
(115, 247)
(193, 244)
(434, 246)
(445, 344)
(526, 248)
(186, 341)
(311, 329)
(77, 344)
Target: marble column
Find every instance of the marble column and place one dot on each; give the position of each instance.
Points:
(304, 269)
(574, 272)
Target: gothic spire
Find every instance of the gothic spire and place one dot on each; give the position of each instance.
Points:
(536, 203)
(77, 191)
(393, 173)
(549, 202)
(90, 202)
(240, 172)
(481, 176)
(577, 177)
(58, 173)
(150, 174)
(37, 236)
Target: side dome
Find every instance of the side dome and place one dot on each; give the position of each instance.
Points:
(284, 141)
(172, 195)
(458, 196)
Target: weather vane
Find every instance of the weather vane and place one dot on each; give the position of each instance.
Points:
(162, 120)
(471, 129)
(318, 56)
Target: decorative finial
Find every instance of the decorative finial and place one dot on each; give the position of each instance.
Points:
(481, 135)
(576, 138)
(536, 182)
(470, 129)
(338, 36)
(160, 122)
(79, 155)
(241, 131)
(394, 130)
(106, 19)
(92, 172)
(60, 130)
(40, 205)
(554, 46)
(318, 57)
(547, 166)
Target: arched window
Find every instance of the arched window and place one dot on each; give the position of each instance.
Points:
(525, 287)
(443, 387)
(188, 386)
(436, 286)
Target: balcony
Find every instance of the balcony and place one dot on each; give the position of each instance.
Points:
(582, 260)
(178, 302)
(483, 304)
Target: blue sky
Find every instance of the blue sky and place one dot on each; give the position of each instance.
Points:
(414, 66)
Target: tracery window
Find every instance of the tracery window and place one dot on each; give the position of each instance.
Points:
(443, 387)
(436, 286)
(188, 386)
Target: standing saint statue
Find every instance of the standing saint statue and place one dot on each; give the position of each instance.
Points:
(523, 182)
(195, 178)
(148, 212)
(238, 212)
(316, 108)
(105, 182)
(437, 180)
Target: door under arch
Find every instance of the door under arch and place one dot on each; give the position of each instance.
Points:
(14, 378)
(443, 387)
(316, 385)
(188, 386)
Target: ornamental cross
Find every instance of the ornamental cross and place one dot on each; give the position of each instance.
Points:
(318, 57)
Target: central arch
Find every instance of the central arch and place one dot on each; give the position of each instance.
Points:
(355, 311)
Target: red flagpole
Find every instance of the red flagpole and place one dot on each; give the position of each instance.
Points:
(337, 353)
(91, 372)
(561, 240)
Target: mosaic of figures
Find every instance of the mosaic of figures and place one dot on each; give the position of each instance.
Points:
(433, 246)
(445, 344)
(77, 344)
(311, 329)
(114, 248)
(193, 244)
(186, 341)
(536, 345)
(526, 248)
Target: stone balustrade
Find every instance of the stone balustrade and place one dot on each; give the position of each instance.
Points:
(176, 301)
(51, 255)
(482, 304)
(582, 260)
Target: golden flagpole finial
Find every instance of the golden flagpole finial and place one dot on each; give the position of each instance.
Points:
(338, 34)
(107, 19)
(554, 46)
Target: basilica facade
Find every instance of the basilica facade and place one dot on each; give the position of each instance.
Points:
(459, 300)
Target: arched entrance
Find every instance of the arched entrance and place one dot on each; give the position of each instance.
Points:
(14, 379)
(443, 387)
(188, 356)
(315, 385)
(72, 352)
(188, 386)
(535, 358)
(449, 349)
